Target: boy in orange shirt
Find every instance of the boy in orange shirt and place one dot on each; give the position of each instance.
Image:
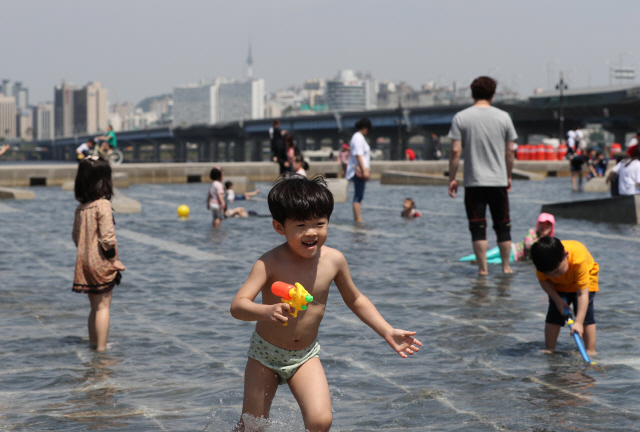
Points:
(567, 269)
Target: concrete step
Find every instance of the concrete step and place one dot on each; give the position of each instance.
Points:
(339, 188)
(597, 184)
(406, 178)
(620, 209)
(15, 193)
(518, 174)
(121, 203)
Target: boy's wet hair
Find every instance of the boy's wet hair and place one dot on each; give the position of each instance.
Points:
(299, 198)
(228, 184)
(93, 180)
(215, 174)
(483, 88)
(547, 254)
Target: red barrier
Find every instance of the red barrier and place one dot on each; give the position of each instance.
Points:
(521, 152)
(615, 148)
(540, 153)
(562, 152)
(549, 152)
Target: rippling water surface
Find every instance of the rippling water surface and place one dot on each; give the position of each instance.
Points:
(176, 357)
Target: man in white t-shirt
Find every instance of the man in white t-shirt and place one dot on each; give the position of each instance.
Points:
(358, 169)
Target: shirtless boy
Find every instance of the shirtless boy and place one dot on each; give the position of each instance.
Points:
(279, 354)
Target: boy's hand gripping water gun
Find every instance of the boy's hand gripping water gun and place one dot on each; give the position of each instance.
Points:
(569, 319)
(295, 296)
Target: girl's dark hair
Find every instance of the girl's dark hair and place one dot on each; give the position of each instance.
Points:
(483, 88)
(547, 254)
(299, 198)
(288, 140)
(93, 180)
(215, 174)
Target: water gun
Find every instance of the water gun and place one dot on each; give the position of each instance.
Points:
(568, 316)
(295, 296)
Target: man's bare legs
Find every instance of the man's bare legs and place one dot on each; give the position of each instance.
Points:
(216, 223)
(505, 255)
(357, 214)
(480, 249)
(310, 388)
(98, 322)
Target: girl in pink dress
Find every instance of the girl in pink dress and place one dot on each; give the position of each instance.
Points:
(97, 265)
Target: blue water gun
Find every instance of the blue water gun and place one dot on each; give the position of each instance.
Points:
(568, 316)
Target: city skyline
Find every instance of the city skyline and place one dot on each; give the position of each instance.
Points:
(159, 45)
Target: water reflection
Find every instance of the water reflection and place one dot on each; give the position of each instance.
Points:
(95, 402)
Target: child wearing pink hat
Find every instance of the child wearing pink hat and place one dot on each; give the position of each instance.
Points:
(545, 226)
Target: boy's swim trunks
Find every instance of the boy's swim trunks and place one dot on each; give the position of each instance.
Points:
(283, 362)
(554, 316)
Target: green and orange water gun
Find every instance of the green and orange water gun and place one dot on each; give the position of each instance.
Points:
(295, 296)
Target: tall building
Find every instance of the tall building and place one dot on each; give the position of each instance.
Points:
(347, 92)
(241, 100)
(7, 117)
(195, 104)
(24, 125)
(64, 109)
(90, 113)
(222, 101)
(43, 124)
(21, 94)
(250, 64)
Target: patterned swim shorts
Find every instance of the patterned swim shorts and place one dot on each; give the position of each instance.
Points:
(283, 362)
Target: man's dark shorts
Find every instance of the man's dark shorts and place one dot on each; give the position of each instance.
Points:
(476, 200)
(555, 317)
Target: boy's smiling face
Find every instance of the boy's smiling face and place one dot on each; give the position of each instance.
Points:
(304, 237)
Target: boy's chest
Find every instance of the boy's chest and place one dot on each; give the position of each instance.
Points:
(316, 282)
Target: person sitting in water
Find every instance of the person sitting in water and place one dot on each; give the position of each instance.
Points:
(545, 226)
(239, 212)
(231, 195)
(409, 209)
(568, 274)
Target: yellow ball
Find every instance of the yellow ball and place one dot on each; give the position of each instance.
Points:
(183, 211)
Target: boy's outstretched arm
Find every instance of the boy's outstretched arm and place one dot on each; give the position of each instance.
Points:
(243, 306)
(401, 341)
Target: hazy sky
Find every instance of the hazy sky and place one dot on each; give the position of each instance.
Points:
(140, 48)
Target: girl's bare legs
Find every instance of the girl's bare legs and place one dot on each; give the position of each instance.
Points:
(99, 320)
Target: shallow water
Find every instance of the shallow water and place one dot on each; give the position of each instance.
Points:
(176, 357)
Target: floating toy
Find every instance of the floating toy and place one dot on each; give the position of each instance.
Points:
(183, 211)
(569, 319)
(493, 256)
(295, 296)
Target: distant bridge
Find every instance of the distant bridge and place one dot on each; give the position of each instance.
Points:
(616, 108)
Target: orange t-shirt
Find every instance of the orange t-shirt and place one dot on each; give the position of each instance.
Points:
(582, 273)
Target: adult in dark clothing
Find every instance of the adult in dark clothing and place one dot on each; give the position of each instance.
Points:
(278, 151)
